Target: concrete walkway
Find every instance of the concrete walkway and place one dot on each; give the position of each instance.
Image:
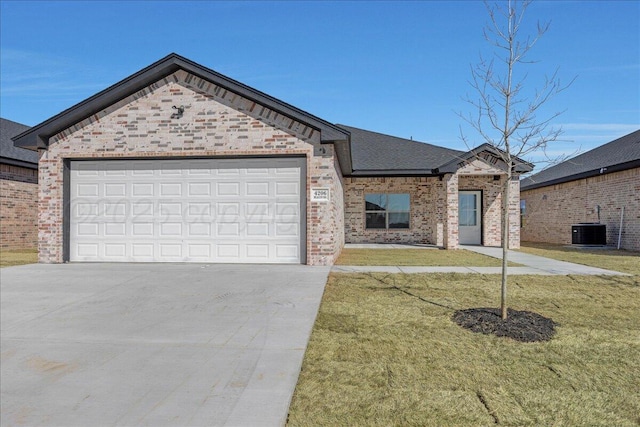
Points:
(533, 264)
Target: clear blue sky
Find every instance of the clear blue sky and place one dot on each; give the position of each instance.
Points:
(393, 67)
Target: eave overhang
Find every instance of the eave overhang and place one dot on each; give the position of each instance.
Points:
(15, 162)
(371, 173)
(588, 174)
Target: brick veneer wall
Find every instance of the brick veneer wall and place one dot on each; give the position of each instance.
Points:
(478, 175)
(434, 209)
(492, 208)
(216, 122)
(18, 207)
(550, 211)
(423, 217)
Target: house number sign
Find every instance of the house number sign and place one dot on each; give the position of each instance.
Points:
(319, 194)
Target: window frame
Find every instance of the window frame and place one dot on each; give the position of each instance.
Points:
(387, 213)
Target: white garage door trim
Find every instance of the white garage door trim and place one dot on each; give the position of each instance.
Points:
(249, 210)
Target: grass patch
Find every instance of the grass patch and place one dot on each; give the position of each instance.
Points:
(384, 351)
(416, 257)
(610, 259)
(9, 258)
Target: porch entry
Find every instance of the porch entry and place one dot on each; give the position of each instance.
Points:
(469, 217)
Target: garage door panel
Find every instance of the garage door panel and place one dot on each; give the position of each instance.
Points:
(88, 190)
(170, 209)
(202, 251)
(199, 189)
(142, 209)
(115, 189)
(142, 250)
(170, 189)
(257, 189)
(117, 250)
(257, 229)
(228, 189)
(228, 229)
(143, 189)
(198, 209)
(228, 252)
(87, 250)
(193, 210)
(286, 229)
(142, 229)
(114, 229)
(287, 189)
(88, 229)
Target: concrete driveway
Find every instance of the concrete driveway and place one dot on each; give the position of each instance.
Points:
(154, 344)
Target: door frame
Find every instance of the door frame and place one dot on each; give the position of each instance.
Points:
(480, 214)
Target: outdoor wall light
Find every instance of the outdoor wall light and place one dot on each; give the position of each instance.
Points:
(179, 112)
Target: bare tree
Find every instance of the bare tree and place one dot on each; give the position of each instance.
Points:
(505, 108)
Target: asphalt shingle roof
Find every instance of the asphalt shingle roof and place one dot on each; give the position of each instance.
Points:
(376, 153)
(9, 153)
(619, 154)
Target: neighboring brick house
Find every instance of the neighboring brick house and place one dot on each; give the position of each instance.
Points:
(18, 190)
(593, 187)
(180, 163)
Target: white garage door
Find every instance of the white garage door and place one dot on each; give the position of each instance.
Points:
(187, 210)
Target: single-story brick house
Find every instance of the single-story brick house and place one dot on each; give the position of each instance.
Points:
(18, 190)
(180, 163)
(593, 187)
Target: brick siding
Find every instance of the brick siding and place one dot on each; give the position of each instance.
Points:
(434, 208)
(423, 218)
(215, 123)
(550, 211)
(18, 207)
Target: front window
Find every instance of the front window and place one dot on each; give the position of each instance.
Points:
(385, 211)
(523, 211)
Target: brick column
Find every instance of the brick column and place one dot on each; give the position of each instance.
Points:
(451, 211)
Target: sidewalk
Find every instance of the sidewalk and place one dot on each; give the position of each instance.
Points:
(533, 264)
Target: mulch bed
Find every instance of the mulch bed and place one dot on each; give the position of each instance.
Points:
(524, 326)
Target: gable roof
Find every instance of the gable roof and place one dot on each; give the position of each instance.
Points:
(9, 153)
(38, 136)
(377, 154)
(620, 154)
(480, 152)
(359, 152)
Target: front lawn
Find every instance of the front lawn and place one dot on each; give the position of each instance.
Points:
(384, 351)
(610, 259)
(416, 257)
(9, 258)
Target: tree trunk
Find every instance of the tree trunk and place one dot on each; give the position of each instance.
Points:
(505, 245)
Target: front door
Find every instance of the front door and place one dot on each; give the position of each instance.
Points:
(469, 217)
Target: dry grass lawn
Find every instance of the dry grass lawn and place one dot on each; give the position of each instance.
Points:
(611, 259)
(416, 257)
(10, 258)
(385, 352)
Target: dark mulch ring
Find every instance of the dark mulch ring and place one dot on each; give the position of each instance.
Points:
(524, 326)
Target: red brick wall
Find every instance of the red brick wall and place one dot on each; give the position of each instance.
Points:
(18, 207)
(550, 211)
